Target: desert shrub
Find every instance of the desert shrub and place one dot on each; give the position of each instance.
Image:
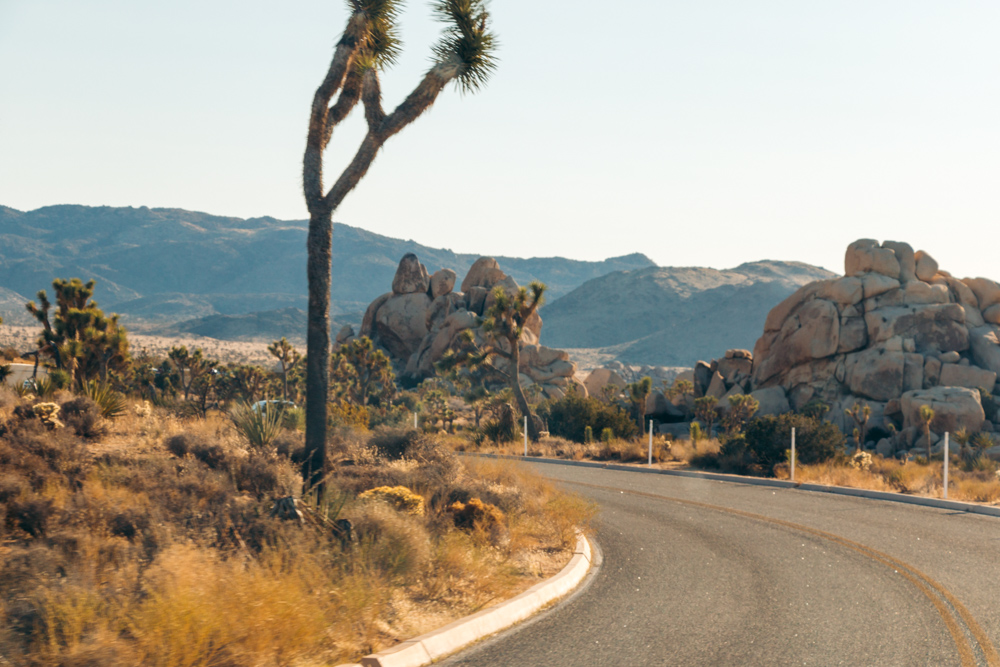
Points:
(255, 475)
(345, 413)
(394, 543)
(30, 515)
(768, 439)
(211, 454)
(48, 414)
(83, 415)
(394, 443)
(398, 497)
(477, 515)
(607, 435)
(569, 416)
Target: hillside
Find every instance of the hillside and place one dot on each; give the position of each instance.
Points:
(673, 316)
(257, 326)
(166, 265)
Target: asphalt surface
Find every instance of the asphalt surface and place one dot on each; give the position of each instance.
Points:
(765, 577)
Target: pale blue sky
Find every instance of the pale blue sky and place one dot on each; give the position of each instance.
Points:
(700, 133)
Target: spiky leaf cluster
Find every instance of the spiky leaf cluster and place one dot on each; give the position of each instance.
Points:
(382, 45)
(467, 41)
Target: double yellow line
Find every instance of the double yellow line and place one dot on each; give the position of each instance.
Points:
(952, 611)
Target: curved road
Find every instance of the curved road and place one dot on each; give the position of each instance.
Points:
(700, 572)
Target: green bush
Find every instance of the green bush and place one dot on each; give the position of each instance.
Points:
(588, 434)
(607, 435)
(769, 438)
(569, 417)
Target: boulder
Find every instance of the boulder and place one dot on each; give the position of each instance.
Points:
(875, 284)
(480, 273)
(739, 354)
(913, 372)
(476, 298)
(717, 386)
(954, 408)
(772, 401)
(368, 321)
(950, 357)
(992, 314)
(441, 308)
(812, 332)
(345, 335)
(905, 257)
(985, 345)
(734, 368)
(865, 256)
(987, 291)
(442, 282)
(853, 334)
(777, 316)
(973, 377)
(401, 323)
(885, 448)
(702, 377)
(845, 291)
(411, 276)
(927, 266)
(600, 378)
(539, 355)
(875, 373)
(932, 372)
(933, 328)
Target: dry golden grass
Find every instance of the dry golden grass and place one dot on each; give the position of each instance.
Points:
(117, 552)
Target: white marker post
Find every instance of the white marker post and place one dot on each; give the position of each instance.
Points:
(793, 453)
(945, 465)
(414, 420)
(650, 442)
(526, 436)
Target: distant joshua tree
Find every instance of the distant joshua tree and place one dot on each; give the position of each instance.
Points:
(464, 54)
(288, 357)
(637, 394)
(926, 417)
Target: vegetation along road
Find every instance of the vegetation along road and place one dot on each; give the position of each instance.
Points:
(700, 572)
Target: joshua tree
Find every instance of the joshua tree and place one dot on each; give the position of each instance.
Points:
(503, 323)
(926, 417)
(288, 357)
(637, 394)
(362, 373)
(704, 411)
(190, 366)
(81, 341)
(369, 44)
(861, 415)
(741, 408)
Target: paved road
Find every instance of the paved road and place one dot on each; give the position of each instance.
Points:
(808, 579)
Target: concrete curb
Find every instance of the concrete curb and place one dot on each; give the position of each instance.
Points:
(439, 643)
(939, 503)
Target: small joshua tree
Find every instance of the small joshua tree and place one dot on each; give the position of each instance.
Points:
(860, 414)
(704, 411)
(637, 394)
(926, 417)
(370, 43)
(191, 366)
(288, 357)
(741, 409)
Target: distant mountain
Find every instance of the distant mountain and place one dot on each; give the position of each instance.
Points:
(261, 326)
(167, 265)
(673, 316)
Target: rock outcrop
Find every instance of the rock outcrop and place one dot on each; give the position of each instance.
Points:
(422, 318)
(895, 332)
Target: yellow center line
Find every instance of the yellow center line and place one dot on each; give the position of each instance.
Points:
(921, 581)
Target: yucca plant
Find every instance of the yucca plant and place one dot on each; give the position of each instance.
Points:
(111, 403)
(258, 425)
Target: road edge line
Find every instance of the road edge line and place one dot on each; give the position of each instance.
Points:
(434, 645)
(939, 503)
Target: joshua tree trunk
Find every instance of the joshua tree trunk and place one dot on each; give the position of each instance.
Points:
(515, 385)
(317, 344)
(927, 439)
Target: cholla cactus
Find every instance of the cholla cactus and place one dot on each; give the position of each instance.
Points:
(48, 413)
(143, 410)
(861, 460)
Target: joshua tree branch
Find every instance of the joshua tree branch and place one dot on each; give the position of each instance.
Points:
(371, 95)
